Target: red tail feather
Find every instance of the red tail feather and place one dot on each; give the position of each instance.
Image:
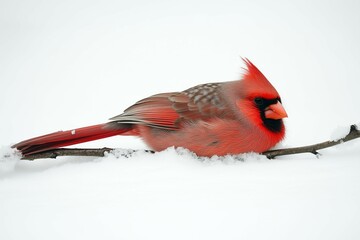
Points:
(66, 138)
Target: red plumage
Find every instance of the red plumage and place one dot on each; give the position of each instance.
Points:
(209, 119)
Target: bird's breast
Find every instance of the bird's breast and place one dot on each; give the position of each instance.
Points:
(215, 137)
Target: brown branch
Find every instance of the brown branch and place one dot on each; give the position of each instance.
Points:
(353, 134)
(61, 152)
(79, 152)
(100, 152)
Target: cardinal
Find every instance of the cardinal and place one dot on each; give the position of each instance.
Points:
(209, 119)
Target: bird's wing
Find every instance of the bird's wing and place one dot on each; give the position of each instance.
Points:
(170, 110)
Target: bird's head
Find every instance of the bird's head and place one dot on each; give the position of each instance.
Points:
(258, 101)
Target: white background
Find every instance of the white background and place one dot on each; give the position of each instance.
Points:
(68, 64)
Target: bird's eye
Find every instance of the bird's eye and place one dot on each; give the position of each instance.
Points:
(259, 101)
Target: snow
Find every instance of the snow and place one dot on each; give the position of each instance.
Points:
(8, 159)
(75, 63)
(340, 132)
(173, 194)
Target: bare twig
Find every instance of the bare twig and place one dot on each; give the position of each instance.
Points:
(353, 133)
(80, 152)
(60, 152)
(100, 152)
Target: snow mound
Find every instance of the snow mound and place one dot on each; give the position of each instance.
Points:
(183, 153)
(8, 159)
(340, 132)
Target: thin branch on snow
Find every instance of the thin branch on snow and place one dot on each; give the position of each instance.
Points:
(79, 152)
(353, 134)
(271, 154)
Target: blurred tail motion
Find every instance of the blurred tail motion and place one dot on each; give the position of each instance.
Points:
(66, 138)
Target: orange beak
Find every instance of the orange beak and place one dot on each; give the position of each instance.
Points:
(275, 111)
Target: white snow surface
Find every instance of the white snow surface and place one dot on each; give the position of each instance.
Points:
(72, 63)
(175, 195)
(8, 159)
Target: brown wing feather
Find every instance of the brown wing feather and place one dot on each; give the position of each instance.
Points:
(170, 110)
(202, 102)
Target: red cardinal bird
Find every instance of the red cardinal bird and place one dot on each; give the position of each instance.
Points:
(208, 119)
